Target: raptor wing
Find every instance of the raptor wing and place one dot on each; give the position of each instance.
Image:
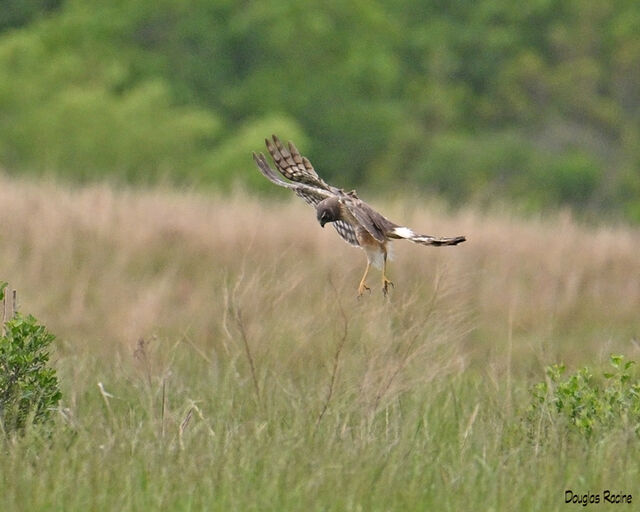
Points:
(375, 223)
(292, 165)
(311, 194)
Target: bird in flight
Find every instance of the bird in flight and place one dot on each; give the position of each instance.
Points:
(354, 220)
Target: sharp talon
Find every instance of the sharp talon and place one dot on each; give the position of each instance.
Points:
(362, 288)
(385, 286)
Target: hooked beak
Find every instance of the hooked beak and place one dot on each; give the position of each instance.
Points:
(323, 222)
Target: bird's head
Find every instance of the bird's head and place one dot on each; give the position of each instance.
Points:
(328, 210)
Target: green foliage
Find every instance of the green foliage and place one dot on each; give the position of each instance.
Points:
(15, 13)
(572, 179)
(584, 404)
(29, 389)
(536, 104)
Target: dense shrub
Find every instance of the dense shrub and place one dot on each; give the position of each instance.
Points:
(29, 391)
(586, 404)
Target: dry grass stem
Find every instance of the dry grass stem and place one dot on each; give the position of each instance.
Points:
(336, 357)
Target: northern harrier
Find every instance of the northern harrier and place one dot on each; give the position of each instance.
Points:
(355, 221)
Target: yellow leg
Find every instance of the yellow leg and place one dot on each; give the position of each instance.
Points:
(363, 286)
(385, 280)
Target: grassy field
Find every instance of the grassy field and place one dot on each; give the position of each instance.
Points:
(213, 356)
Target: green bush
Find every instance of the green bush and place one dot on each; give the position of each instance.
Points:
(29, 389)
(585, 404)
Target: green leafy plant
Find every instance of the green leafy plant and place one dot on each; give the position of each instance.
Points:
(29, 389)
(585, 404)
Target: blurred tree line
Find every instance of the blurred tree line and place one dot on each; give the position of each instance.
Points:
(537, 102)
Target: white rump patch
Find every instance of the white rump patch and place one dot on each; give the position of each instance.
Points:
(403, 232)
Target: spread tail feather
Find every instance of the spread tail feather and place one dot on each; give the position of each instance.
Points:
(407, 234)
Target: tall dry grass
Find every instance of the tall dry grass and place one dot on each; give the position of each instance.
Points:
(115, 265)
(213, 354)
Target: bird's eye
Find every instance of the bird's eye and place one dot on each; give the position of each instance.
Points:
(324, 215)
